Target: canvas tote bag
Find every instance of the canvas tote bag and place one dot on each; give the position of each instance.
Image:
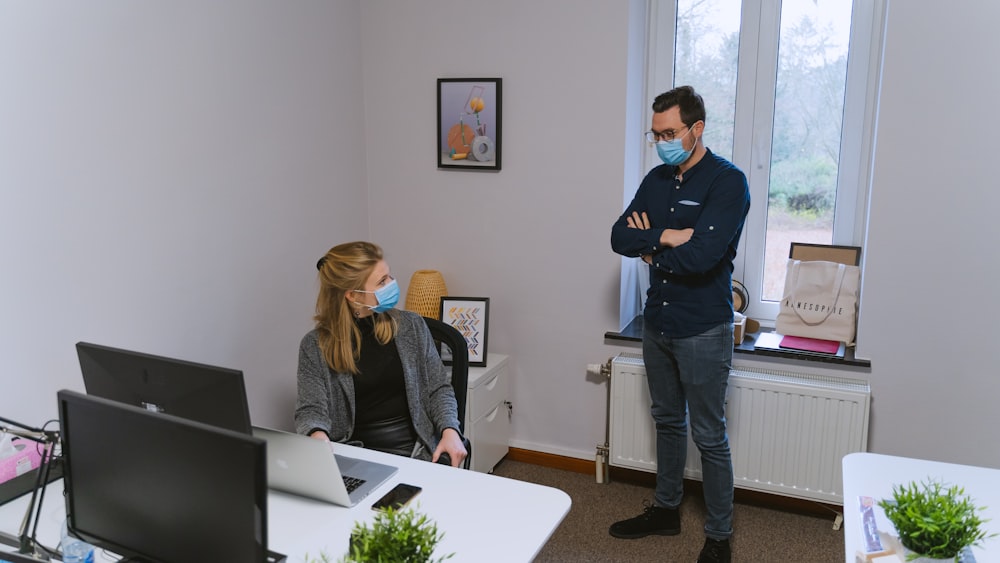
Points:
(820, 301)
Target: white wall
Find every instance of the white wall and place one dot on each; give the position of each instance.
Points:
(930, 312)
(169, 174)
(534, 237)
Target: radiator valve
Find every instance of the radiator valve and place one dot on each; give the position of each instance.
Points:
(601, 464)
(603, 370)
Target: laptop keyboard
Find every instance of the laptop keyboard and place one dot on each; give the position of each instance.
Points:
(352, 483)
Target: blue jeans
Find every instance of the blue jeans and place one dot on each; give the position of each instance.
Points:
(690, 375)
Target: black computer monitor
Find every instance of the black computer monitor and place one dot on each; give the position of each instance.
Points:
(209, 394)
(160, 488)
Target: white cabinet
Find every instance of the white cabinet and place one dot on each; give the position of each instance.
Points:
(487, 413)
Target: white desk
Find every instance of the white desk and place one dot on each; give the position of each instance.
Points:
(484, 517)
(874, 475)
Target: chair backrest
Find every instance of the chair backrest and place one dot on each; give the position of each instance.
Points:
(449, 338)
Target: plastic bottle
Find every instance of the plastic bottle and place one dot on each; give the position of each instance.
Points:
(75, 550)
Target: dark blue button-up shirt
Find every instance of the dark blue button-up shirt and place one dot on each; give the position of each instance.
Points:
(690, 286)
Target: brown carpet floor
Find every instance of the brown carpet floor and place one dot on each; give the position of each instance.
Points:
(760, 534)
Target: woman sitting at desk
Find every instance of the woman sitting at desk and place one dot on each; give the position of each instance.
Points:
(370, 374)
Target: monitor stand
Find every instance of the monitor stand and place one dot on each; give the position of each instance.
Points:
(272, 557)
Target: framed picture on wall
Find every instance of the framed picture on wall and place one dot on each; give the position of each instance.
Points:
(471, 316)
(468, 123)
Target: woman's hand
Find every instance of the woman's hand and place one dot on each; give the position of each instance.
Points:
(320, 435)
(451, 442)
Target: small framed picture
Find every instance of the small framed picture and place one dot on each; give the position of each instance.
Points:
(468, 123)
(471, 316)
(849, 255)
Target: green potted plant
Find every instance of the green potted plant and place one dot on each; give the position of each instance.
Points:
(396, 536)
(934, 521)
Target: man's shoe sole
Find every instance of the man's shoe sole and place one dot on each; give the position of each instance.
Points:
(644, 534)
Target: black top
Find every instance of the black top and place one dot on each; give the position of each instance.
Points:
(380, 391)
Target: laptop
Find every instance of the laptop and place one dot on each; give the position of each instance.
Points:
(306, 466)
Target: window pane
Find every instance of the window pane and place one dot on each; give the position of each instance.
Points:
(706, 48)
(805, 144)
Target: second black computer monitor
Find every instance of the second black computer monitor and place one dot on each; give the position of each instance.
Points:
(209, 394)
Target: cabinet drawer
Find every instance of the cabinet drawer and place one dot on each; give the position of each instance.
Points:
(486, 395)
(491, 439)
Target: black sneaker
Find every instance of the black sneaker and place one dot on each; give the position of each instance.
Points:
(715, 551)
(653, 520)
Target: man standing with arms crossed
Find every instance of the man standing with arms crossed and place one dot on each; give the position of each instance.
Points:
(685, 222)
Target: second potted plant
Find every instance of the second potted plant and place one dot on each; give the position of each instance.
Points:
(933, 520)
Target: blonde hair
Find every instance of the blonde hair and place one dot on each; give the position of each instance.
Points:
(345, 268)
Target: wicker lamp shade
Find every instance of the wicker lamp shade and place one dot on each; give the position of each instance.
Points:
(423, 295)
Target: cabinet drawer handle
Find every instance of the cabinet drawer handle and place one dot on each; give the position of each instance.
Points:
(493, 413)
(493, 382)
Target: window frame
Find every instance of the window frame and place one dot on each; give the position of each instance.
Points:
(758, 50)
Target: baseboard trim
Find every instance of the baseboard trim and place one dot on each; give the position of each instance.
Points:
(554, 461)
(645, 478)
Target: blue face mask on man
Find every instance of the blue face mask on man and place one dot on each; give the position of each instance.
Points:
(387, 297)
(672, 152)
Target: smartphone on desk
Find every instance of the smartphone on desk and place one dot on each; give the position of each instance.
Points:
(397, 497)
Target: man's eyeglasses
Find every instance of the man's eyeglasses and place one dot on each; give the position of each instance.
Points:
(665, 135)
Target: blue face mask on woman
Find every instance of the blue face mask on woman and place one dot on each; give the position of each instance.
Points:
(387, 297)
(672, 152)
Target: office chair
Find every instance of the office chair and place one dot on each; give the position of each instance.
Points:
(448, 336)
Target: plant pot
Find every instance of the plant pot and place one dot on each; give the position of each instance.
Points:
(907, 553)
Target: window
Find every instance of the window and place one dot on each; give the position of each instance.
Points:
(789, 89)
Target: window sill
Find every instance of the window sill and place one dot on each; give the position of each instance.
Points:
(633, 333)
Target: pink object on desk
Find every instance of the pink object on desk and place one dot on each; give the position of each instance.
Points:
(24, 460)
(810, 344)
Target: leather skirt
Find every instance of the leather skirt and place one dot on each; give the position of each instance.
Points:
(394, 436)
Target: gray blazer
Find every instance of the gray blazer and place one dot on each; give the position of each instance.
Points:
(326, 399)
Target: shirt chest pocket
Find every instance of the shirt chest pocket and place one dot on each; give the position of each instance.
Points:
(683, 213)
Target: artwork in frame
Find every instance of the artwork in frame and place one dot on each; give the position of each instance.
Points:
(471, 316)
(468, 123)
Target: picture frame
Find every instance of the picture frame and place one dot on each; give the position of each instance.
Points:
(471, 316)
(469, 123)
(806, 251)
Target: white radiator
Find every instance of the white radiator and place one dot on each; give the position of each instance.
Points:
(787, 432)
